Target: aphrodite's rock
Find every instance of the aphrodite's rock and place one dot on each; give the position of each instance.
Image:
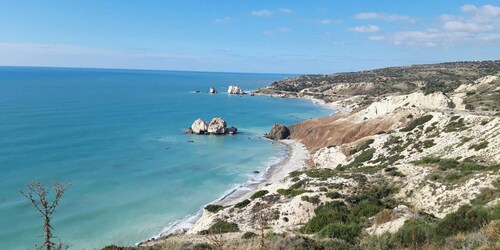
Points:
(217, 126)
(235, 90)
(212, 90)
(199, 126)
(278, 132)
(232, 130)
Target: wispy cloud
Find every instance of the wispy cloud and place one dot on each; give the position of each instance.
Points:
(276, 31)
(261, 13)
(476, 25)
(384, 17)
(225, 19)
(285, 10)
(366, 29)
(328, 21)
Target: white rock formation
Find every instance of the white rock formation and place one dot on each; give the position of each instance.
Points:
(199, 126)
(212, 90)
(217, 126)
(329, 157)
(235, 90)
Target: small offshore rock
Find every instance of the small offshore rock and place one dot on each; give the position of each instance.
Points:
(278, 132)
(188, 131)
(256, 172)
(212, 90)
(235, 90)
(232, 130)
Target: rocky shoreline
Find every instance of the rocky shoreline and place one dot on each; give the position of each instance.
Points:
(426, 152)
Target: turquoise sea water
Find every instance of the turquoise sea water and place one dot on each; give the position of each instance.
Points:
(116, 135)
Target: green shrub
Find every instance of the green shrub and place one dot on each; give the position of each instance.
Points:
(221, 226)
(291, 191)
(242, 204)
(295, 173)
(214, 208)
(259, 194)
(333, 195)
(348, 232)
(479, 146)
(322, 173)
(248, 235)
(362, 147)
(414, 234)
(428, 143)
(325, 214)
(202, 246)
(363, 157)
(417, 122)
(465, 219)
(323, 189)
(451, 177)
(364, 209)
(298, 184)
(379, 242)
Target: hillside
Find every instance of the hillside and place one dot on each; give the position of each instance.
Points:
(428, 78)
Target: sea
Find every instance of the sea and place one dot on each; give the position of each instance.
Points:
(116, 137)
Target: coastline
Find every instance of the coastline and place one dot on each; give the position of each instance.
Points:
(295, 158)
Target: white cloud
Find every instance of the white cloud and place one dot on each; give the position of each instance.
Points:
(476, 25)
(469, 8)
(261, 13)
(376, 38)
(467, 26)
(383, 17)
(366, 29)
(223, 20)
(285, 10)
(328, 21)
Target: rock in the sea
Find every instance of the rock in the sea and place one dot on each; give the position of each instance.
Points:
(212, 90)
(235, 90)
(188, 131)
(217, 126)
(232, 130)
(199, 126)
(278, 132)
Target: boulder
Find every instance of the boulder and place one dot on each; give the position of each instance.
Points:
(232, 130)
(199, 126)
(212, 90)
(278, 132)
(217, 126)
(235, 90)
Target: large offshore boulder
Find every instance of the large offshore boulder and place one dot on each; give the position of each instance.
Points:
(217, 126)
(199, 126)
(278, 132)
(235, 90)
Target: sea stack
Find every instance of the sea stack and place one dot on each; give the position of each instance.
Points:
(235, 90)
(278, 132)
(217, 126)
(212, 90)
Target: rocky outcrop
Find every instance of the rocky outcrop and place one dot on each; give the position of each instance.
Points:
(199, 126)
(216, 126)
(235, 90)
(278, 132)
(212, 90)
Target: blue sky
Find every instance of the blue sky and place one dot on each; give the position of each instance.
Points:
(247, 36)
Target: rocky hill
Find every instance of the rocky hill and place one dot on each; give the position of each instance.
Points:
(428, 78)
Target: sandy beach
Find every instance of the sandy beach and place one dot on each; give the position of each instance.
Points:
(295, 159)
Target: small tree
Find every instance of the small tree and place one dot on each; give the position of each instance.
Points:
(38, 194)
